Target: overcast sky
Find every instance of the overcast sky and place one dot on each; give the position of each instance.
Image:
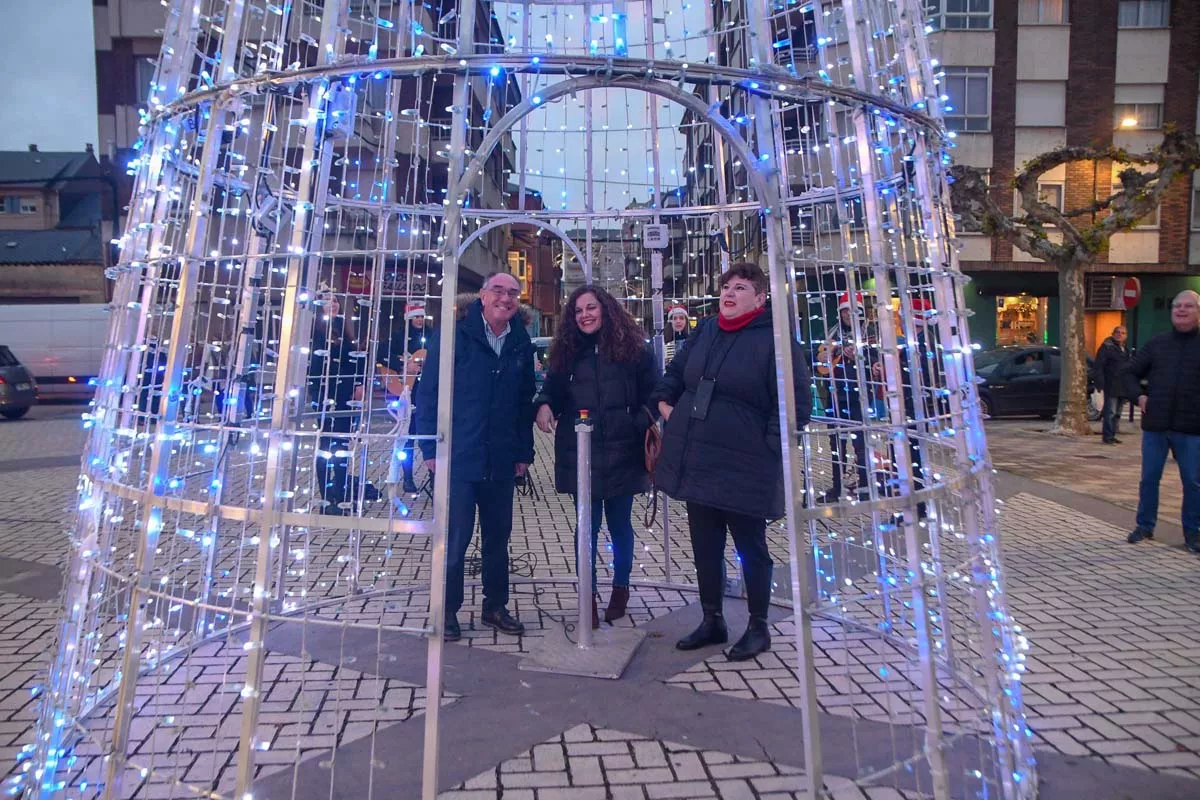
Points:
(622, 141)
(48, 60)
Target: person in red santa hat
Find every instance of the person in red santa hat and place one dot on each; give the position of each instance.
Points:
(677, 331)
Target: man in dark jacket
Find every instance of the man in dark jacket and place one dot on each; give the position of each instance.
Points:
(1111, 360)
(492, 441)
(1170, 402)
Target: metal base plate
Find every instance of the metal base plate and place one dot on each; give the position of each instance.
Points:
(611, 651)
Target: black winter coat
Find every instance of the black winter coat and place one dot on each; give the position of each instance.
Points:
(1170, 365)
(493, 400)
(617, 397)
(730, 459)
(1111, 361)
(332, 375)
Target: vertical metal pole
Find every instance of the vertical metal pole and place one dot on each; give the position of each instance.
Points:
(656, 262)
(589, 147)
(783, 319)
(1011, 741)
(583, 526)
(445, 411)
(162, 446)
(860, 42)
(307, 235)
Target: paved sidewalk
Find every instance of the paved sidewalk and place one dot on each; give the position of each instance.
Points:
(1083, 465)
(1112, 688)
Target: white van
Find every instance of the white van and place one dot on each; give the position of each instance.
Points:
(61, 344)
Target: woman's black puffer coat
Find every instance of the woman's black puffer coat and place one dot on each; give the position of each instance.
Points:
(730, 459)
(616, 397)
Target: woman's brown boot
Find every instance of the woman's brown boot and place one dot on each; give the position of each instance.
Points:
(617, 603)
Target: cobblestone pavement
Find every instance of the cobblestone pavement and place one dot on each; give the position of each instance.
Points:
(590, 763)
(1113, 674)
(1084, 465)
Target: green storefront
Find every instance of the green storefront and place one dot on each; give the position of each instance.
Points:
(1008, 306)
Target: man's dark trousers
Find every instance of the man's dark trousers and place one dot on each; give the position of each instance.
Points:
(1186, 449)
(494, 500)
(1111, 416)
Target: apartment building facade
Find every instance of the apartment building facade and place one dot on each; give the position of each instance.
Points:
(1027, 76)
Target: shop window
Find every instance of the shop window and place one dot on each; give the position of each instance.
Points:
(1143, 14)
(1042, 12)
(969, 90)
(960, 14)
(1137, 116)
(1020, 319)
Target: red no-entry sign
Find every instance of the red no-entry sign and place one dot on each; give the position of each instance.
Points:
(1131, 293)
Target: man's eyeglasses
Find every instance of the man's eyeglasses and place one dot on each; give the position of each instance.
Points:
(511, 294)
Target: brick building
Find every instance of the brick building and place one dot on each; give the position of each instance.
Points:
(1026, 76)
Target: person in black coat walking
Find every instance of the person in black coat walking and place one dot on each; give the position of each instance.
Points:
(1111, 360)
(721, 450)
(492, 441)
(599, 362)
(1170, 402)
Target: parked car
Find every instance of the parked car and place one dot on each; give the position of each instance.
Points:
(1024, 379)
(18, 389)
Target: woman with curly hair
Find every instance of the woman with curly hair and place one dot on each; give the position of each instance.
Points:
(599, 361)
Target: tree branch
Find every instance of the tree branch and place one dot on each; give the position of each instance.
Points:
(978, 212)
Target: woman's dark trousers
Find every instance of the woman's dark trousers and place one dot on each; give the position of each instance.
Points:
(708, 526)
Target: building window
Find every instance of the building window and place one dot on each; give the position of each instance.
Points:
(1051, 194)
(518, 265)
(144, 75)
(1196, 209)
(1042, 12)
(960, 14)
(19, 204)
(1151, 220)
(969, 107)
(1137, 116)
(1144, 14)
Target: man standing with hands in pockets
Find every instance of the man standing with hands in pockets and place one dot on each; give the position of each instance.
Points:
(1170, 402)
(492, 441)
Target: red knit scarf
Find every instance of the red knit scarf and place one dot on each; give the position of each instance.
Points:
(731, 324)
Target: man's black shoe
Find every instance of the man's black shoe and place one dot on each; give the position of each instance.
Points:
(1108, 441)
(1191, 540)
(502, 621)
(453, 632)
(409, 486)
(1138, 534)
(1115, 440)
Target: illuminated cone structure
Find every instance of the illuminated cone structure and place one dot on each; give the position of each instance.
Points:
(311, 169)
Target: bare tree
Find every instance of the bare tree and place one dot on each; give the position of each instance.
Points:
(1084, 233)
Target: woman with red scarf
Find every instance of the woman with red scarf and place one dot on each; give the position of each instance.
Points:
(721, 450)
